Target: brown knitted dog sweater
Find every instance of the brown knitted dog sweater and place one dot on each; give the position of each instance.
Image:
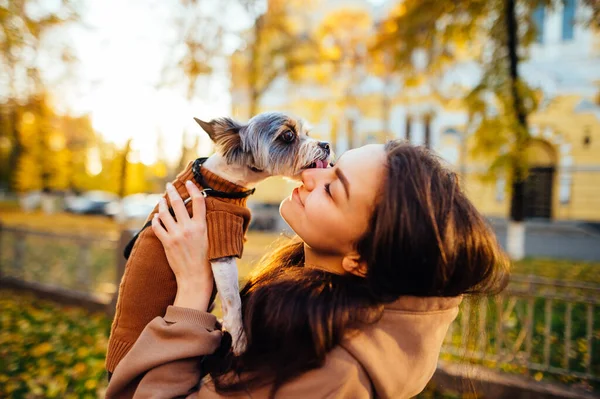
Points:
(148, 285)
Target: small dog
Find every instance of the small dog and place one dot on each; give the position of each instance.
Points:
(269, 144)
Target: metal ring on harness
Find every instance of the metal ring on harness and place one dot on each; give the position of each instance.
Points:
(203, 192)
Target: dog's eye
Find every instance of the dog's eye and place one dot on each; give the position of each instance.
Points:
(288, 136)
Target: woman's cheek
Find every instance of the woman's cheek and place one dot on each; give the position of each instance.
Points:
(320, 210)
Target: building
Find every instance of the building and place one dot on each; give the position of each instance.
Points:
(564, 157)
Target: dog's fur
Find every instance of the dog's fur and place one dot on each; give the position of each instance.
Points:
(245, 155)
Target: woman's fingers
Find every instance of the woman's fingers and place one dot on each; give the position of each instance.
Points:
(165, 216)
(158, 229)
(198, 204)
(177, 204)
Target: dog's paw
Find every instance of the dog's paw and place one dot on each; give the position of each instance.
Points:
(235, 327)
(239, 343)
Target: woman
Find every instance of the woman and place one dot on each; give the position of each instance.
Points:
(357, 308)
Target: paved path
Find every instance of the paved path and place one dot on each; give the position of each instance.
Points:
(568, 240)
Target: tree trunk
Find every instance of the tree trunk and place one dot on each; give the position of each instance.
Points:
(516, 241)
(253, 105)
(385, 107)
(123, 177)
(254, 69)
(11, 125)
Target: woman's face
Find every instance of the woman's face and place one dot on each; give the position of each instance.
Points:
(331, 210)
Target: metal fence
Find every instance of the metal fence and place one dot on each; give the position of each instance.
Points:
(80, 269)
(537, 325)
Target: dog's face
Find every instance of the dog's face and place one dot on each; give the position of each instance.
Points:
(271, 143)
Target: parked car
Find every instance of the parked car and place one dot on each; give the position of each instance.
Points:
(90, 202)
(30, 201)
(265, 216)
(135, 206)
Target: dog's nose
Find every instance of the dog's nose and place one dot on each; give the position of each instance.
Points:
(325, 145)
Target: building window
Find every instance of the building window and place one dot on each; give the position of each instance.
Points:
(408, 127)
(568, 22)
(428, 131)
(538, 19)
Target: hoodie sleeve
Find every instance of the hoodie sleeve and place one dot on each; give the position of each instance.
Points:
(163, 362)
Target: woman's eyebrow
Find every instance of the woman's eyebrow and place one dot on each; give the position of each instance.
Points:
(344, 181)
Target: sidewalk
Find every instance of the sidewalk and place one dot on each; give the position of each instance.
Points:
(556, 239)
(553, 226)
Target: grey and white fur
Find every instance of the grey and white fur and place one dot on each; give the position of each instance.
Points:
(270, 144)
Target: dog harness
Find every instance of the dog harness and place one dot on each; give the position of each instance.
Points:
(206, 192)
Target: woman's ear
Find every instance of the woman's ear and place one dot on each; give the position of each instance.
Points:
(352, 263)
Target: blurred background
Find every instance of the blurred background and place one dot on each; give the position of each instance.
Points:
(96, 107)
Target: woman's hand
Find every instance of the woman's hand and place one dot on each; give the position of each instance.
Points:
(186, 245)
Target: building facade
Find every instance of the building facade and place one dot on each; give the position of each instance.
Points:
(564, 64)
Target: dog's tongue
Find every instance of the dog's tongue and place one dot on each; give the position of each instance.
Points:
(321, 164)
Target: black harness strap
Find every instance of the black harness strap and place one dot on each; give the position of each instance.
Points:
(207, 192)
(211, 192)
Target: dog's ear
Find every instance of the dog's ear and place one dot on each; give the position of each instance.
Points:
(219, 127)
(225, 133)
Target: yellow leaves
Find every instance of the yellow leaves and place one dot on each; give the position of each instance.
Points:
(12, 386)
(56, 387)
(538, 376)
(41, 349)
(91, 384)
(50, 351)
(83, 352)
(79, 369)
(332, 53)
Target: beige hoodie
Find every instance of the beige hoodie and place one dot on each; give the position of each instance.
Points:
(393, 358)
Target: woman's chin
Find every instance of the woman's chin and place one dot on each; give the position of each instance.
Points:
(287, 212)
(284, 209)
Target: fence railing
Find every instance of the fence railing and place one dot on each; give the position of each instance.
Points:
(537, 325)
(85, 268)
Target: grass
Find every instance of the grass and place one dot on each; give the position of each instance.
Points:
(559, 269)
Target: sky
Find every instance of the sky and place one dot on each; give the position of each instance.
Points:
(122, 47)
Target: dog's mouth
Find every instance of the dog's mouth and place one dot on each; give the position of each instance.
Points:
(317, 164)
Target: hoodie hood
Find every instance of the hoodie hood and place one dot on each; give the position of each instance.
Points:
(400, 352)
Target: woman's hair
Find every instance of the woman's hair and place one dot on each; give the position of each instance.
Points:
(425, 238)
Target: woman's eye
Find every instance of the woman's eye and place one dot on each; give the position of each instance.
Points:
(288, 136)
(328, 189)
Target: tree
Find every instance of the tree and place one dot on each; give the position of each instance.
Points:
(54, 147)
(23, 26)
(344, 36)
(79, 138)
(500, 104)
(40, 159)
(279, 44)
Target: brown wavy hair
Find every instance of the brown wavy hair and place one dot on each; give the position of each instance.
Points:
(425, 238)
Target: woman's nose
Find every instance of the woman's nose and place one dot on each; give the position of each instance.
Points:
(308, 178)
(313, 176)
